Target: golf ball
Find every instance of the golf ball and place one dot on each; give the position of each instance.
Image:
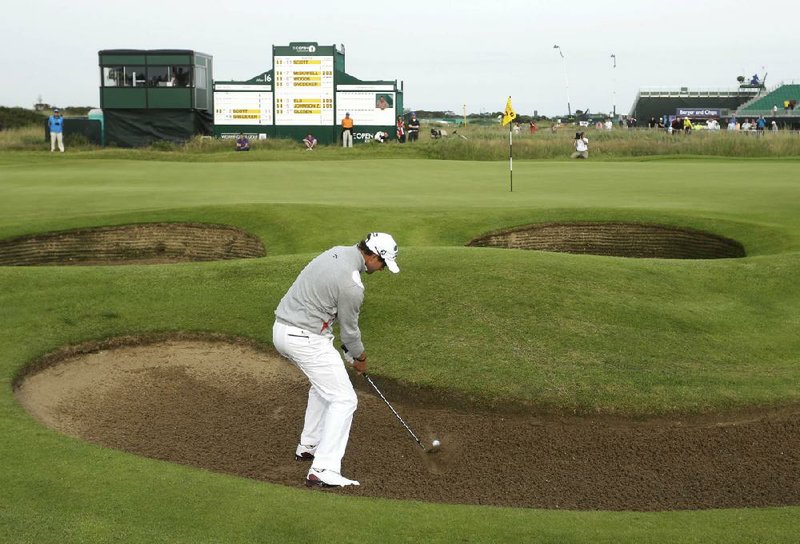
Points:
(436, 443)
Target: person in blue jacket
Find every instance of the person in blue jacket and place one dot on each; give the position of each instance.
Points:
(56, 124)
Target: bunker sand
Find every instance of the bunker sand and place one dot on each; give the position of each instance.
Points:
(233, 408)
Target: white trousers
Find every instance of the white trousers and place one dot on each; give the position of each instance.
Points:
(347, 138)
(57, 137)
(331, 398)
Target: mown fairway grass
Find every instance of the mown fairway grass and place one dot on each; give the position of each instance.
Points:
(561, 333)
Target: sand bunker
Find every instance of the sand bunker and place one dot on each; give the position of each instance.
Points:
(233, 408)
(147, 243)
(616, 240)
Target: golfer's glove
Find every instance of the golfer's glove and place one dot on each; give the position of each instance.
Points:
(347, 357)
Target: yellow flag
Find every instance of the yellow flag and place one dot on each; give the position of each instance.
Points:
(509, 114)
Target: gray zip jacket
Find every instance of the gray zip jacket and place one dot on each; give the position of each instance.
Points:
(328, 288)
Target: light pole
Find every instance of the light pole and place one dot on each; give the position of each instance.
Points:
(566, 80)
(614, 84)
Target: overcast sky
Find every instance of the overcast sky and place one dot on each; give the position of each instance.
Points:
(448, 54)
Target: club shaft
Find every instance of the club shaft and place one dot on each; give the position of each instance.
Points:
(400, 419)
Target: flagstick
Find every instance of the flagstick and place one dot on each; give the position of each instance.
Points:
(510, 158)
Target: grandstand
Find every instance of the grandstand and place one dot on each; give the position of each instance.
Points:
(777, 97)
(664, 103)
(742, 102)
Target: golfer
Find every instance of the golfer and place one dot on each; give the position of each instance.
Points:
(328, 289)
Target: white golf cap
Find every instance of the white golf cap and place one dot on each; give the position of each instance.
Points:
(383, 244)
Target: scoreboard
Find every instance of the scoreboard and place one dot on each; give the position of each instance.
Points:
(304, 90)
(243, 105)
(307, 90)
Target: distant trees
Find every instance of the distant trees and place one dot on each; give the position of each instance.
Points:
(19, 117)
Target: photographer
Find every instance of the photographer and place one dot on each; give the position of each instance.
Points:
(581, 146)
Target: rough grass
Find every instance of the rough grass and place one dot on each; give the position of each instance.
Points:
(472, 143)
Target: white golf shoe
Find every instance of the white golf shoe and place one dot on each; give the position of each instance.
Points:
(327, 478)
(304, 453)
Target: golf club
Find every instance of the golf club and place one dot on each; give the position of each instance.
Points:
(434, 446)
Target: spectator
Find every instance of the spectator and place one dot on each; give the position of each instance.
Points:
(687, 125)
(182, 78)
(310, 142)
(581, 146)
(242, 143)
(775, 110)
(347, 131)
(676, 125)
(401, 129)
(413, 128)
(761, 124)
(381, 137)
(774, 126)
(56, 125)
(533, 128)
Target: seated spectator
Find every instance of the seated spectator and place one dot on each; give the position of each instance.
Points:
(381, 137)
(310, 142)
(242, 143)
